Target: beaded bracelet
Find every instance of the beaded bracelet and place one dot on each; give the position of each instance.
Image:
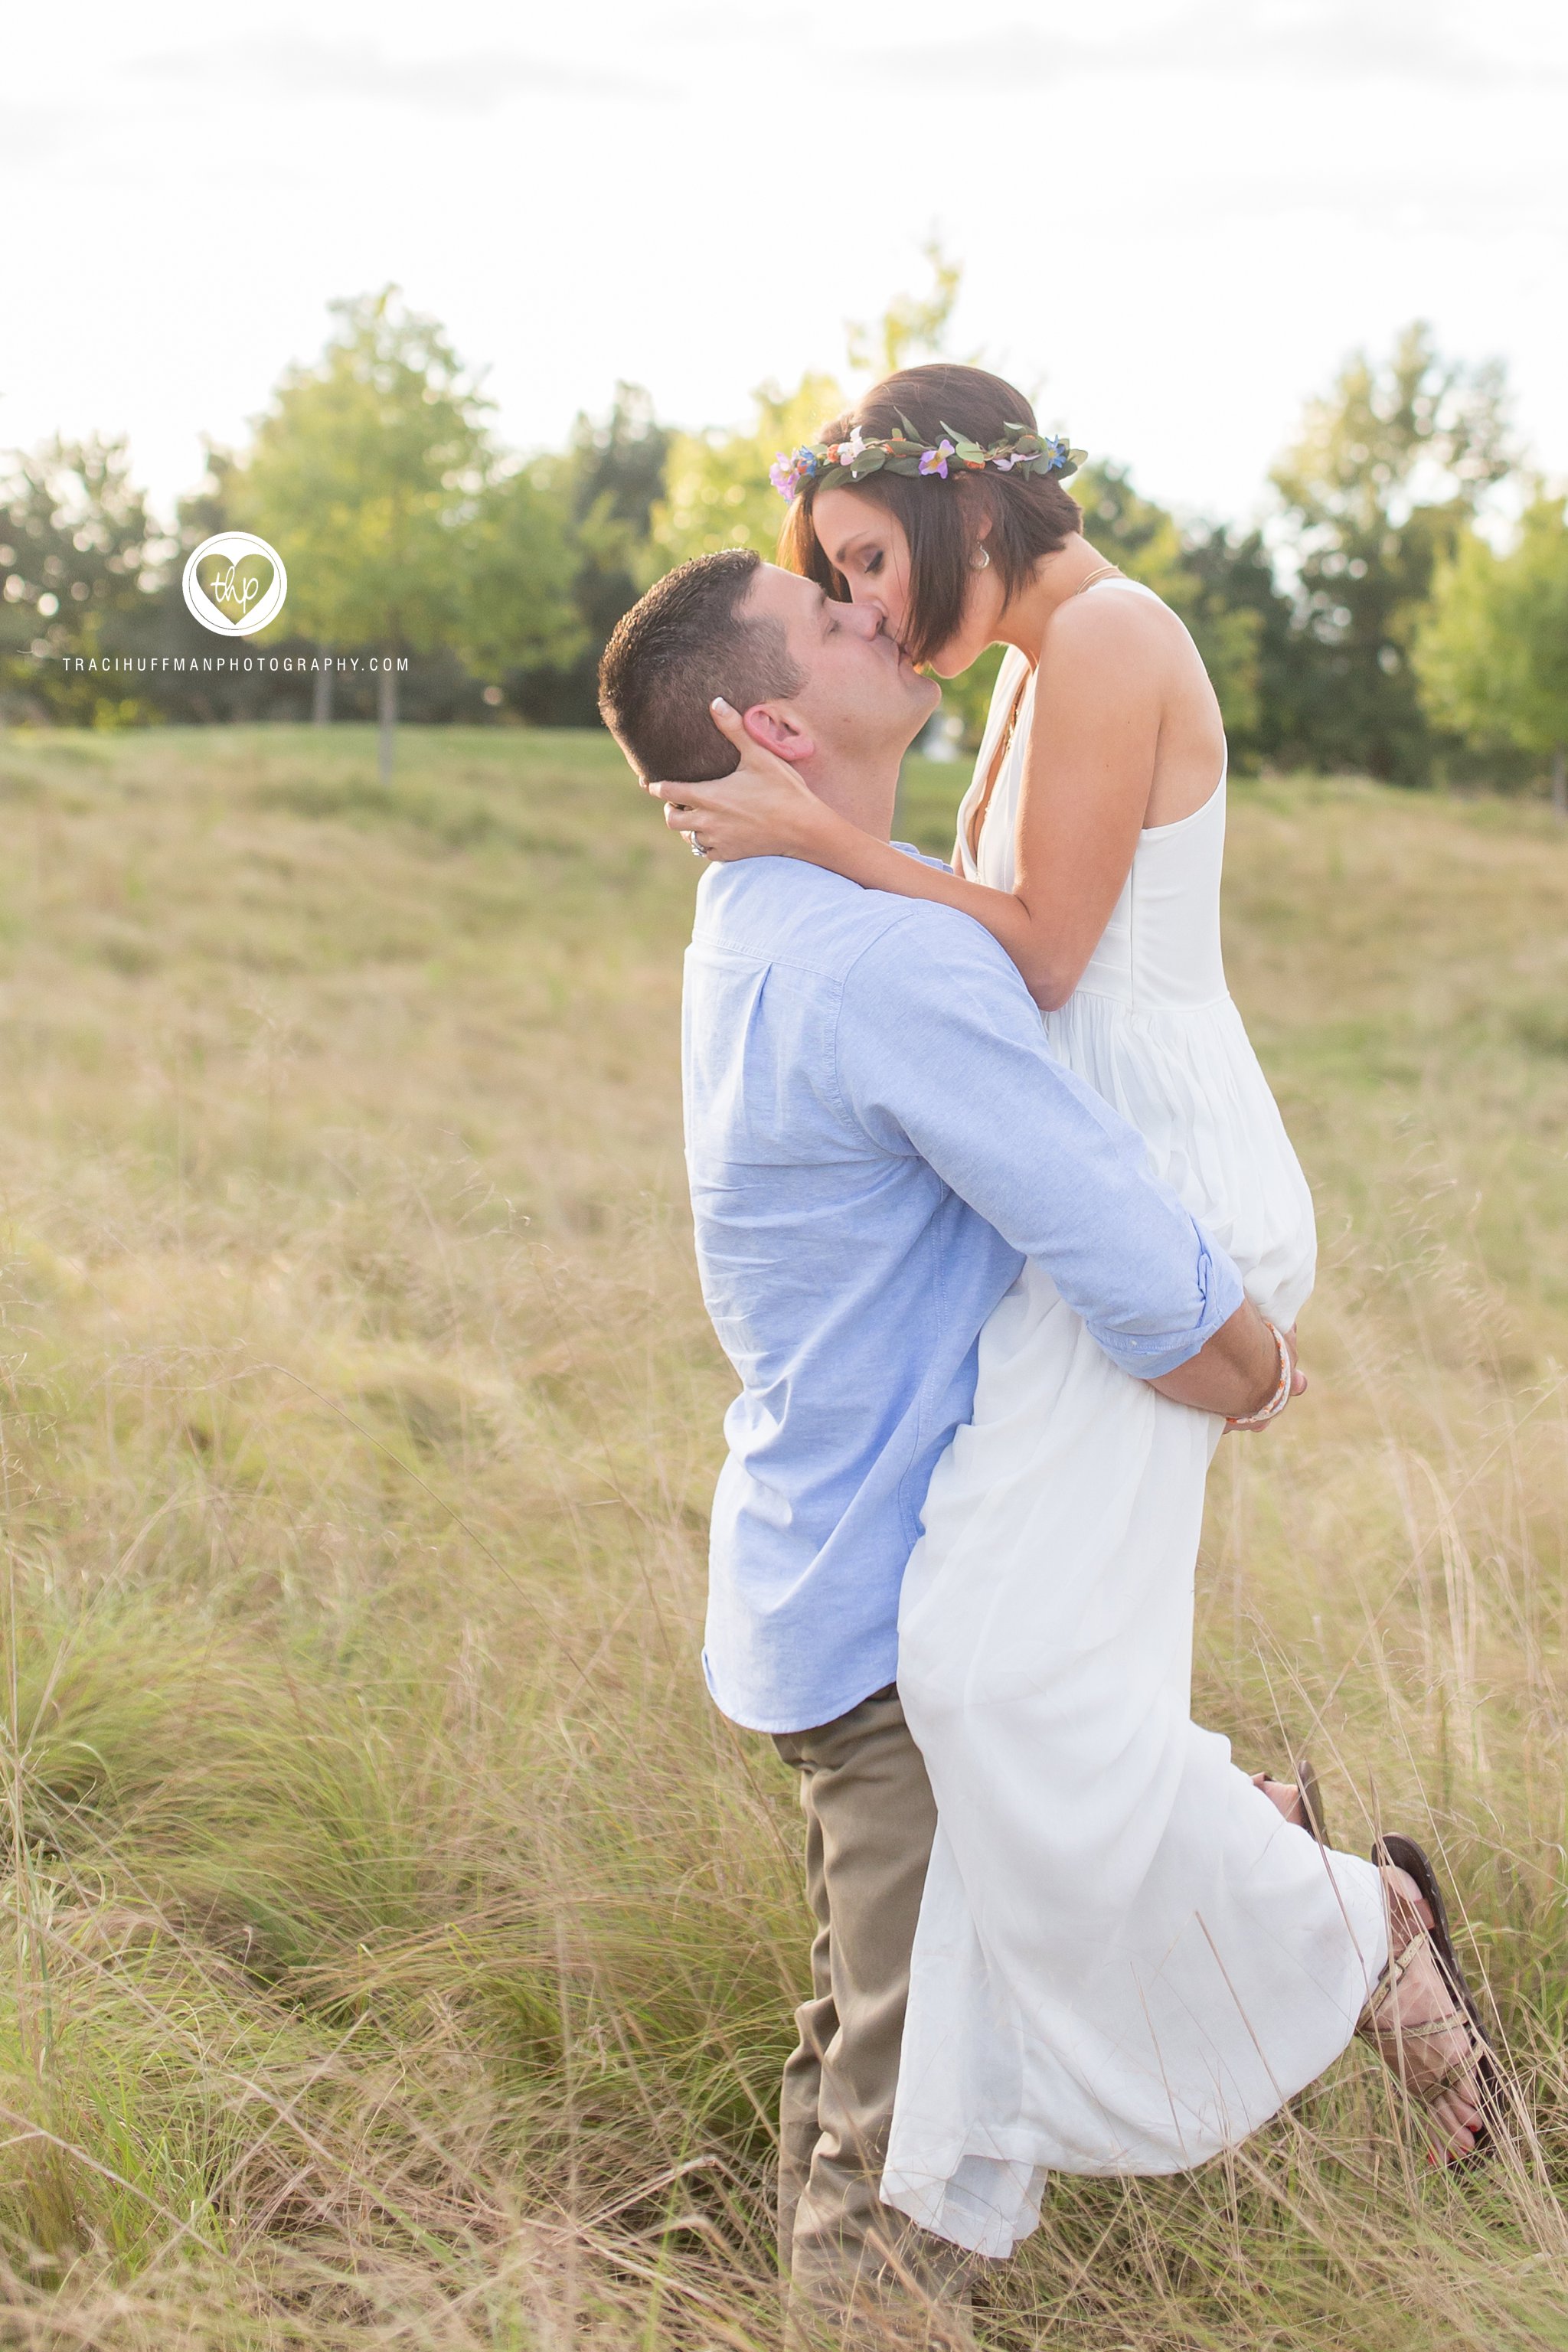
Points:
(1282, 1396)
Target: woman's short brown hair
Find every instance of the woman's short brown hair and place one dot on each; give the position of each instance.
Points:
(1031, 515)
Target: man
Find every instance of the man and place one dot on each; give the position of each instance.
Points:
(876, 1135)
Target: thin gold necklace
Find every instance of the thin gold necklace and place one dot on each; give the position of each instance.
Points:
(1103, 573)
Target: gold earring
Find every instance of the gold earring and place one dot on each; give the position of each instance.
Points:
(979, 559)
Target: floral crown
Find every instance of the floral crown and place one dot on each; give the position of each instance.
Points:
(828, 463)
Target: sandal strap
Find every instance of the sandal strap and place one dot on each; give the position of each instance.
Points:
(1388, 2033)
(1433, 2029)
(1399, 1963)
(1456, 2076)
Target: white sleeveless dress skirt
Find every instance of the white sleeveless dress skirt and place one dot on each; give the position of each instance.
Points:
(1126, 1961)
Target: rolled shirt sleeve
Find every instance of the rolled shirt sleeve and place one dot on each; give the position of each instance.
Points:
(941, 1054)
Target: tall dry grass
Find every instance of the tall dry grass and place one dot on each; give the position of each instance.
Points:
(397, 1950)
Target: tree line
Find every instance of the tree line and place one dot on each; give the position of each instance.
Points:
(1402, 612)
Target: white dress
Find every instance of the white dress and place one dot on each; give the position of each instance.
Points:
(1126, 1959)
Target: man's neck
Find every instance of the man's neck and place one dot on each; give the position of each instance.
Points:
(861, 790)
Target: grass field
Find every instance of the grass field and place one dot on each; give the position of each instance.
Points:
(397, 1950)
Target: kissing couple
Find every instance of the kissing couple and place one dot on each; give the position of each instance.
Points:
(1000, 1229)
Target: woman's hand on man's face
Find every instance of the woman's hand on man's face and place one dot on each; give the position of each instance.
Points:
(761, 810)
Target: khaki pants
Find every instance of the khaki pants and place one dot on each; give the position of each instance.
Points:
(869, 1820)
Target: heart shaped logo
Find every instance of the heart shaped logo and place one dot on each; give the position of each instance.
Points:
(234, 583)
(234, 588)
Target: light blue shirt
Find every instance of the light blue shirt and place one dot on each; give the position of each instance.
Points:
(876, 1135)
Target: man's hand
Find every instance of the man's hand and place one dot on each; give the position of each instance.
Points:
(1244, 1422)
(1234, 1373)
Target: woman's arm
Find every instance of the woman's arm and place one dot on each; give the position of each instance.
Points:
(1091, 765)
(764, 810)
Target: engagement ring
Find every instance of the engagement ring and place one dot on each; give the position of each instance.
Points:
(697, 847)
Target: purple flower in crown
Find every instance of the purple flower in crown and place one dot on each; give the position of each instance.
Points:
(934, 461)
(791, 467)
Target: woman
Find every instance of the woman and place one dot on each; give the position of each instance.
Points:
(1128, 1953)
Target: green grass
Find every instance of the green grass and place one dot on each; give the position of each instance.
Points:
(397, 1950)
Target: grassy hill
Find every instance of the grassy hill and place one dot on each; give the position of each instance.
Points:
(398, 1951)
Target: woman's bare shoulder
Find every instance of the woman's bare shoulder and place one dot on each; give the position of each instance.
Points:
(1107, 614)
(1099, 633)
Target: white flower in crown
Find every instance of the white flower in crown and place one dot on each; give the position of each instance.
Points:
(848, 451)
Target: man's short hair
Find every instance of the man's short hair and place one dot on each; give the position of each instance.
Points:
(684, 642)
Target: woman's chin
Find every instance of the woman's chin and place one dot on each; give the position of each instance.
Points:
(952, 661)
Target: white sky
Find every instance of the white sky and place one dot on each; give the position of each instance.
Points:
(1176, 216)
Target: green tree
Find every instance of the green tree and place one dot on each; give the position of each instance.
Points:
(521, 571)
(605, 488)
(1380, 483)
(78, 550)
(913, 327)
(1234, 572)
(717, 492)
(368, 473)
(1491, 649)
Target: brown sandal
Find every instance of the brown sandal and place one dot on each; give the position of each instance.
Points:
(1380, 2023)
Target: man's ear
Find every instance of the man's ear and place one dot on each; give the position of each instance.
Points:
(771, 725)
